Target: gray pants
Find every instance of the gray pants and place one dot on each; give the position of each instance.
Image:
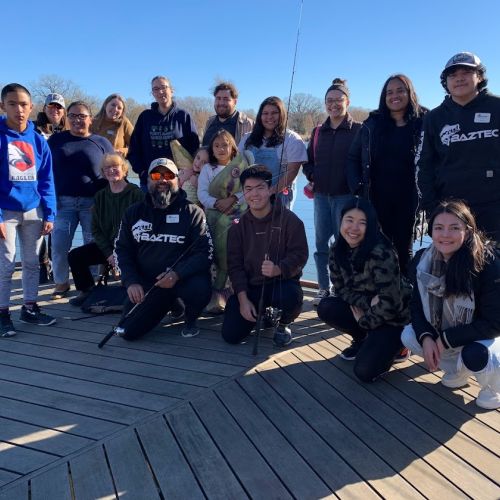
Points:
(28, 227)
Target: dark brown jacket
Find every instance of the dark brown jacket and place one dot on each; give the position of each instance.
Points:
(280, 234)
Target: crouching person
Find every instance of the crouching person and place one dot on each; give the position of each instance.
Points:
(267, 247)
(371, 302)
(455, 309)
(110, 204)
(164, 245)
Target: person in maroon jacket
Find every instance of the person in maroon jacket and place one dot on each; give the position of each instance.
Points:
(266, 248)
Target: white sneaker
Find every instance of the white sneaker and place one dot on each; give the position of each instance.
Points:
(455, 380)
(488, 398)
(322, 293)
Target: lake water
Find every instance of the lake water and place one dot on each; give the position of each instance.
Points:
(303, 207)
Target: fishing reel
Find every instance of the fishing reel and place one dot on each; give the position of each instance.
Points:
(273, 315)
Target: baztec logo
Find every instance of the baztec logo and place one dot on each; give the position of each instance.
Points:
(141, 231)
(451, 133)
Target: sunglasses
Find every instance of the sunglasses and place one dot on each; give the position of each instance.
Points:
(167, 176)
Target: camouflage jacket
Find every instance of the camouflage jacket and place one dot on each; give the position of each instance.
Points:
(381, 277)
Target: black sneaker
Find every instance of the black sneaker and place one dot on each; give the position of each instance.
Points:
(351, 352)
(6, 326)
(35, 316)
(190, 330)
(80, 298)
(282, 336)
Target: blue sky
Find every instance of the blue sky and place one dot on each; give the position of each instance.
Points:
(117, 46)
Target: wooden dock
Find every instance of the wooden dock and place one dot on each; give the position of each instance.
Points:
(167, 417)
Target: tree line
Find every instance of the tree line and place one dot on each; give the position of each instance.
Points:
(305, 110)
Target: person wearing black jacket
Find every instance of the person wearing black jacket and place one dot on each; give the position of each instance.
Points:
(164, 243)
(455, 318)
(459, 153)
(326, 167)
(156, 127)
(381, 162)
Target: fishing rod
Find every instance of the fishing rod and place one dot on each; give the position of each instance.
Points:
(281, 172)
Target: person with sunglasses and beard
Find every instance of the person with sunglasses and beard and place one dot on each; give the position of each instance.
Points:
(163, 242)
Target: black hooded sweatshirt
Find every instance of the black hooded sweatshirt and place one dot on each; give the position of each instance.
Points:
(150, 240)
(459, 153)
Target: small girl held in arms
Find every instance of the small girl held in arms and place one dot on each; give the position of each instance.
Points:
(188, 178)
(219, 191)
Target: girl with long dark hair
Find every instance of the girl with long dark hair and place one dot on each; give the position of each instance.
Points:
(281, 150)
(381, 163)
(455, 313)
(372, 296)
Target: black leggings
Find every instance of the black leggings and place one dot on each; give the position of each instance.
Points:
(285, 295)
(195, 291)
(80, 259)
(380, 346)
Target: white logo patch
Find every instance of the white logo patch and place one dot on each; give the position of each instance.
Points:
(482, 118)
(173, 218)
(447, 131)
(141, 226)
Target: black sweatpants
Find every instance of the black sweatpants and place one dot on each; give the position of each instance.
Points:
(380, 347)
(286, 295)
(80, 259)
(195, 291)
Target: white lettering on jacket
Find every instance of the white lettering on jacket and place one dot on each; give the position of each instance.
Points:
(450, 133)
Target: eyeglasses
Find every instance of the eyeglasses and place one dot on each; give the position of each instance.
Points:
(80, 116)
(163, 88)
(335, 101)
(107, 168)
(167, 176)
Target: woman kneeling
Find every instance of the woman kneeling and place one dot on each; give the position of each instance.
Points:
(455, 309)
(371, 295)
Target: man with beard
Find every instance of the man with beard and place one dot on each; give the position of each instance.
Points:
(235, 122)
(163, 242)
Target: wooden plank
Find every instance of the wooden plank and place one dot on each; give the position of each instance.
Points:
(168, 358)
(17, 492)
(52, 484)
(441, 402)
(130, 472)
(7, 477)
(328, 460)
(126, 360)
(213, 473)
(74, 368)
(172, 471)
(42, 416)
(22, 460)
(53, 441)
(86, 388)
(295, 473)
(69, 402)
(91, 475)
(246, 462)
(66, 328)
(439, 457)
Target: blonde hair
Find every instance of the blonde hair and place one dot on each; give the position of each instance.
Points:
(112, 156)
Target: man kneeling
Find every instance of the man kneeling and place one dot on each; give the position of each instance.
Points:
(164, 241)
(268, 247)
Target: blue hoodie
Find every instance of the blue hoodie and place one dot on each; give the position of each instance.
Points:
(26, 179)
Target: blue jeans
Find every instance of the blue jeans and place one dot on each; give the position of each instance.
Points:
(71, 210)
(327, 224)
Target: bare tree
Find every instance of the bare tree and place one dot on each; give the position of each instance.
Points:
(250, 112)
(200, 108)
(305, 111)
(359, 114)
(48, 84)
(134, 109)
